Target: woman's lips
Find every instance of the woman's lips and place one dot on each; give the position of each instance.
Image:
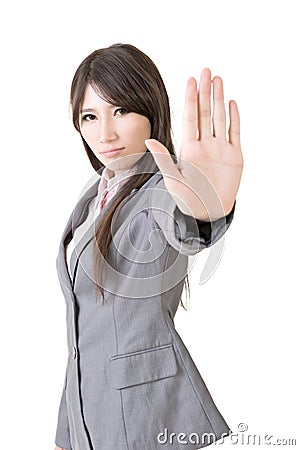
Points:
(113, 152)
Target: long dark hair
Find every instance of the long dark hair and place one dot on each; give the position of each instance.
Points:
(123, 75)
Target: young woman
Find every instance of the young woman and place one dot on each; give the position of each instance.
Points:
(130, 382)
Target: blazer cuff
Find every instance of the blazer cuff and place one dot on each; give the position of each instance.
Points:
(210, 231)
(183, 232)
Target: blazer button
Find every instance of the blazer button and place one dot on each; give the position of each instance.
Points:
(74, 352)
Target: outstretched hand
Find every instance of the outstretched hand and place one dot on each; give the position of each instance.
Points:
(205, 181)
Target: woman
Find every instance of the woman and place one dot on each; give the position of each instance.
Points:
(130, 382)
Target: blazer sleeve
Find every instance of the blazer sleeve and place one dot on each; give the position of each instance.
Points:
(183, 232)
(62, 437)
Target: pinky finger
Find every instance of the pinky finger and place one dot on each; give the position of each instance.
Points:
(234, 127)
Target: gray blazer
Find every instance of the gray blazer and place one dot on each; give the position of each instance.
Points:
(130, 382)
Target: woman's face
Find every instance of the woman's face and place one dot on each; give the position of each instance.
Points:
(106, 127)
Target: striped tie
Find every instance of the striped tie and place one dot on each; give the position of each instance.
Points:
(103, 201)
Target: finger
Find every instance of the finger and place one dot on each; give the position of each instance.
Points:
(190, 117)
(219, 114)
(204, 104)
(162, 158)
(234, 127)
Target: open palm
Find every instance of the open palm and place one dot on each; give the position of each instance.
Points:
(205, 181)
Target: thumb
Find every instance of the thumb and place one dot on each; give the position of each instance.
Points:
(162, 158)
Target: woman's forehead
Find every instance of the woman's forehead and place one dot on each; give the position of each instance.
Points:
(94, 98)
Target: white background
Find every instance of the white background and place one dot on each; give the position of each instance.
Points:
(241, 326)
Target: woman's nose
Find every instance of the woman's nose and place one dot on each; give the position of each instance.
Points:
(107, 131)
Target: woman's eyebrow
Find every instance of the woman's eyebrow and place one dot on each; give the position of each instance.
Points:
(93, 110)
(87, 110)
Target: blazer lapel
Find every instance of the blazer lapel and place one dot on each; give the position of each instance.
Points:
(77, 217)
(86, 238)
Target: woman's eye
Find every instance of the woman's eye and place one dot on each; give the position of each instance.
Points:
(88, 117)
(120, 111)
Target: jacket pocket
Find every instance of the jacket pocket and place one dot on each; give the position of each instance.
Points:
(141, 367)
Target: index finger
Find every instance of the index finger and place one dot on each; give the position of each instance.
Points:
(190, 112)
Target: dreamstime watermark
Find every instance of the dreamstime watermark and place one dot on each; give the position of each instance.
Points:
(160, 205)
(241, 437)
(167, 437)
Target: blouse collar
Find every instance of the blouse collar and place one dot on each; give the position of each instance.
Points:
(110, 179)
